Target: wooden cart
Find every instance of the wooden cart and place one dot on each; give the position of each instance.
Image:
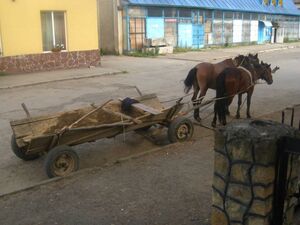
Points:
(55, 134)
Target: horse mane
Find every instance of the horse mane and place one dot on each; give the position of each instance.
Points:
(189, 80)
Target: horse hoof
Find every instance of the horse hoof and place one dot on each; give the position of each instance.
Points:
(213, 125)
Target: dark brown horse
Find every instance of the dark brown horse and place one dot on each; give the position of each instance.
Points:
(203, 76)
(237, 81)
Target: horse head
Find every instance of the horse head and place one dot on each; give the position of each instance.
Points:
(265, 72)
(253, 58)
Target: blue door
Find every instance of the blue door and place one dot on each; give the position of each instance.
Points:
(264, 32)
(185, 35)
(155, 28)
(268, 34)
(198, 36)
(261, 32)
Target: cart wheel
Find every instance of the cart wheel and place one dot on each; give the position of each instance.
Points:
(20, 152)
(61, 161)
(181, 129)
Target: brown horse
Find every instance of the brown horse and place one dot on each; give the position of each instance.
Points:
(203, 76)
(237, 81)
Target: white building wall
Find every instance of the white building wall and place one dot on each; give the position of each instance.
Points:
(254, 31)
(237, 31)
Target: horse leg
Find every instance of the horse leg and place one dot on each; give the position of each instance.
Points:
(223, 120)
(195, 103)
(249, 96)
(203, 91)
(239, 107)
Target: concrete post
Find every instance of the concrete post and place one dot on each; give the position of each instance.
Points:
(245, 168)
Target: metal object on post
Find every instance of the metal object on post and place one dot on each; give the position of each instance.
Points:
(292, 117)
(282, 117)
(286, 147)
(26, 110)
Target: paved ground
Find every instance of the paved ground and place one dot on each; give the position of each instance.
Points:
(160, 75)
(169, 186)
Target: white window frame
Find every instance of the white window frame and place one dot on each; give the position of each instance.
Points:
(53, 29)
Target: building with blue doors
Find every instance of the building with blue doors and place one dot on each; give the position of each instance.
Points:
(199, 23)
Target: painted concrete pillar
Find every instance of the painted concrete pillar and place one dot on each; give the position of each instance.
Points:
(245, 170)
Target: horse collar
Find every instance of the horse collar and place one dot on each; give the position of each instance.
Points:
(248, 72)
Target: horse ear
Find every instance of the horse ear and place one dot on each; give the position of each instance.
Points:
(269, 65)
(256, 56)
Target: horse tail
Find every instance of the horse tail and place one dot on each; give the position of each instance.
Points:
(189, 80)
(221, 104)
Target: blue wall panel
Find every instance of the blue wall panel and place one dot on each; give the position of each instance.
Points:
(155, 28)
(198, 36)
(185, 35)
(261, 27)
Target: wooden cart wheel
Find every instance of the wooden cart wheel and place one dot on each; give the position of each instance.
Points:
(181, 129)
(20, 152)
(61, 161)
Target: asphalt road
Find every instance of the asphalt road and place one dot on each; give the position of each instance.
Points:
(166, 187)
(152, 75)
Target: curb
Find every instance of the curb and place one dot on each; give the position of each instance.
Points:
(230, 56)
(64, 79)
(98, 168)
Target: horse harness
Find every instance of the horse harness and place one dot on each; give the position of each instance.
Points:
(248, 72)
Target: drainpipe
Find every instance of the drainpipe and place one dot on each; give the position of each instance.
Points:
(115, 26)
(212, 26)
(98, 25)
(127, 27)
(204, 22)
(223, 28)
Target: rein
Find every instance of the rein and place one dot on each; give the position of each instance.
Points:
(244, 57)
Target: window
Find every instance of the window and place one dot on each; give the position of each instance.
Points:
(218, 15)
(170, 12)
(185, 13)
(238, 15)
(155, 12)
(246, 16)
(266, 2)
(254, 16)
(53, 30)
(137, 33)
(136, 12)
(228, 15)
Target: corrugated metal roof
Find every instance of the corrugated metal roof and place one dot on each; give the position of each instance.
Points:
(288, 8)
